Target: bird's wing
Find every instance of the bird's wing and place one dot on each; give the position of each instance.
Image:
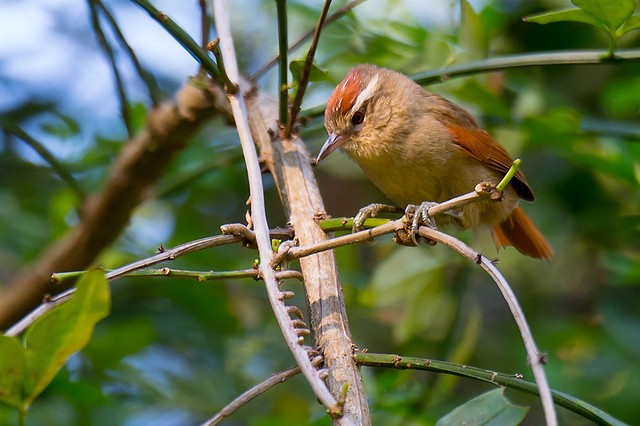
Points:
(480, 145)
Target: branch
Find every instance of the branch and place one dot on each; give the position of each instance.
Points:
(155, 93)
(250, 394)
(258, 214)
(108, 50)
(306, 71)
(290, 164)
(283, 97)
(566, 57)
(536, 358)
(514, 381)
(58, 168)
(132, 177)
(181, 36)
(330, 19)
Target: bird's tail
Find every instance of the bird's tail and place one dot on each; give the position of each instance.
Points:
(520, 232)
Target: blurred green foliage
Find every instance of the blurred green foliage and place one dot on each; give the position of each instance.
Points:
(174, 351)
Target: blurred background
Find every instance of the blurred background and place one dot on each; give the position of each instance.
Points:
(175, 351)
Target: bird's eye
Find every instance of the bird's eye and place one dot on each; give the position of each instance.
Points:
(357, 118)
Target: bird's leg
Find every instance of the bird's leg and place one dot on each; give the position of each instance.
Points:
(419, 215)
(372, 210)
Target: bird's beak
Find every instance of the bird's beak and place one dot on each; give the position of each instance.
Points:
(334, 141)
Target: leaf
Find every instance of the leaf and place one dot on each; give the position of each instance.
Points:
(316, 74)
(490, 409)
(66, 127)
(57, 335)
(613, 13)
(632, 24)
(566, 15)
(409, 288)
(11, 371)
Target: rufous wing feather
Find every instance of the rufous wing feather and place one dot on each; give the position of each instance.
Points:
(518, 231)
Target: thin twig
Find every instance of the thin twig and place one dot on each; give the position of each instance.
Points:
(181, 36)
(525, 60)
(534, 355)
(306, 71)
(155, 94)
(330, 19)
(250, 394)
(283, 85)
(204, 27)
(108, 50)
(214, 48)
(514, 381)
(258, 214)
(59, 168)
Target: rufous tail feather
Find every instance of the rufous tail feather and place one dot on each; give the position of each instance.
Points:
(520, 232)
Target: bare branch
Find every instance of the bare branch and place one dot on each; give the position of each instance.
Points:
(250, 394)
(258, 214)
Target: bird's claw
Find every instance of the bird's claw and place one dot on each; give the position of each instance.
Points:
(372, 210)
(419, 215)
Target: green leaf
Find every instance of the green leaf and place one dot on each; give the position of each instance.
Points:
(65, 128)
(632, 24)
(11, 371)
(566, 15)
(613, 13)
(409, 286)
(489, 409)
(316, 74)
(57, 335)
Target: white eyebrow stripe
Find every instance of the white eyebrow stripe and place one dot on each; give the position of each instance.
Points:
(366, 93)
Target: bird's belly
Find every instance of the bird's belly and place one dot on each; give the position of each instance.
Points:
(415, 183)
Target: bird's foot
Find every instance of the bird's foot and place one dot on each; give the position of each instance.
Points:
(372, 210)
(419, 215)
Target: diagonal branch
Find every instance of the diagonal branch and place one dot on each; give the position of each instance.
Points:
(258, 214)
(306, 71)
(132, 178)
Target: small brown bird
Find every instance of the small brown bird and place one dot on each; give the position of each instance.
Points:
(416, 146)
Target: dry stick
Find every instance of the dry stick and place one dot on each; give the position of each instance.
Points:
(290, 165)
(258, 214)
(306, 71)
(534, 355)
(247, 396)
(330, 19)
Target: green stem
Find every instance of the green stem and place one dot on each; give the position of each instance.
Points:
(510, 174)
(181, 36)
(570, 57)
(155, 94)
(281, 6)
(569, 402)
(306, 71)
(523, 60)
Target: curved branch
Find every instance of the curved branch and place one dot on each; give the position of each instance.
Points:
(514, 381)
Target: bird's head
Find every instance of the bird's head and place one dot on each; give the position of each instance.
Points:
(357, 110)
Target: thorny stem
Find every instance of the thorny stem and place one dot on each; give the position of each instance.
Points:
(258, 214)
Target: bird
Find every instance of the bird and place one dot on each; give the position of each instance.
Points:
(417, 146)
